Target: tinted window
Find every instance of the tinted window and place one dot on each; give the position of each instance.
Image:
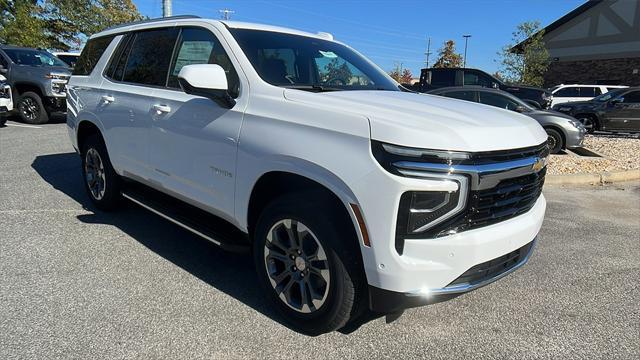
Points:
(589, 91)
(71, 60)
(304, 62)
(631, 97)
(32, 57)
(150, 56)
(568, 92)
(476, 79)
(90, 55)
(199, 46)
(462, 95)
(443, 78)
(497, 100)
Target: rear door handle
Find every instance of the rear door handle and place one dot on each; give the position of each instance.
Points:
(108, 99)
(161, 108)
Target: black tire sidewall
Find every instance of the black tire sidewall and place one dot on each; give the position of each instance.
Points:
(111, 197)
(42, 117)
(340, 301)
(558, 138)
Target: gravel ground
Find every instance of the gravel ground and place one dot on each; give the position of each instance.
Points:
(76, 283)
(620, 153)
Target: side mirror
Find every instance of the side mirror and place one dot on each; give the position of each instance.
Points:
(520, 109)
(618, 100)
(207, 80)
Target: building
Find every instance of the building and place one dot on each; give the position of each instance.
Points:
(596, 43)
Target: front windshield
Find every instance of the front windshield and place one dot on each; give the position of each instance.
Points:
(33, 57)
(608, 95)
(307, 63)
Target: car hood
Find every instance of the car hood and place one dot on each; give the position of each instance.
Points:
(428, 121)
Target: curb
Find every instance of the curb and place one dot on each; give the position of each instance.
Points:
(602, 178)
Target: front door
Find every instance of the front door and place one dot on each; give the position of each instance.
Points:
(193, 140)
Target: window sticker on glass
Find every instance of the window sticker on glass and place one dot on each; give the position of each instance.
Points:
(328, 54)
(193, 52)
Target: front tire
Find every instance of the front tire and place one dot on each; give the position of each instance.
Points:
(590, 123)
(306, 265)
(554, 139)
(31, 109)
(101, 181)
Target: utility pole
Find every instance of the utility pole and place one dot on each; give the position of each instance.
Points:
(166, 8)
(466, 38)
(226, 14)
(428, 52)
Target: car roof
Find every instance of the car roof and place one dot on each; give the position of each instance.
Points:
(177, 20)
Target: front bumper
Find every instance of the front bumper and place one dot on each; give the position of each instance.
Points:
(388, 302)
(575, 137)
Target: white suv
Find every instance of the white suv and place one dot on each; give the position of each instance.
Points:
(6, 99)
(571, 93)
(356, 197)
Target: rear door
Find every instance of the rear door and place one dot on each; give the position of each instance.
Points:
(193, 140)
(625, 115)
(138, 68)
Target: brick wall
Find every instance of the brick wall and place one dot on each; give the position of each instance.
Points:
(615, 71)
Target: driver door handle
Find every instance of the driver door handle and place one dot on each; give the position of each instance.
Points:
(161, 108)
(108, 99)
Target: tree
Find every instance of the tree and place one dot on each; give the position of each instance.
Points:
(447, 56)
(525, 60)
(403, 78)
(60, 24)
(338, 71)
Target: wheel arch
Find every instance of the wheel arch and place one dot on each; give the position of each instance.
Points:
(561, 132)
(22, 87)
(595, 117)
(274, 183)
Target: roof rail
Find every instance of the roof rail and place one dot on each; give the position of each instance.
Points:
(149, 21)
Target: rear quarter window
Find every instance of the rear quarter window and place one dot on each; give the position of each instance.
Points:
(91, 54)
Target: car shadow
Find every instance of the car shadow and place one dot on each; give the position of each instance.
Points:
(225, 271)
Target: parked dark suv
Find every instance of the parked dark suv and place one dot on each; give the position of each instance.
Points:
(434, 78)
(617, 110)
(38, 80)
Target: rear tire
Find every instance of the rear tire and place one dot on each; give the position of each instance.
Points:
(554, 139)
(31, 109)
(101, 181)
(308, 264)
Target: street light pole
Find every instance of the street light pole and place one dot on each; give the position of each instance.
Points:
(466, 39)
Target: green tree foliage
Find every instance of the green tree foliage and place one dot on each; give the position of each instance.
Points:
(447, 56)
(60, 24)
(525, 60)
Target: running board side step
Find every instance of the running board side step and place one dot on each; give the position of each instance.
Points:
(195, 220)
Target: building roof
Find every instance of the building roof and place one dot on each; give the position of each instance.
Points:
(556, 24)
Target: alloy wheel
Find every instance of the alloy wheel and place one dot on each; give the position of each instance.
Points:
(551, 141)
(94, 174)
(29, 108)
(297, 266)
(587, 122)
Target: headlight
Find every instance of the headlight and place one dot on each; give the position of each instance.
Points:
(419, 211)
(57, 76)
(577, 124)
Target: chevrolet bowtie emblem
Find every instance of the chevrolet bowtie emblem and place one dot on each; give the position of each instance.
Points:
(539, 164)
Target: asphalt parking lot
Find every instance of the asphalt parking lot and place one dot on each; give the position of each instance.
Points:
(78, 283)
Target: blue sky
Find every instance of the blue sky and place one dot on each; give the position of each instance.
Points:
(391, 32)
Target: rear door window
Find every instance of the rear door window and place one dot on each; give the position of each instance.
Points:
(589, 91)
(91, 54)
(150, 57)
(568, 92)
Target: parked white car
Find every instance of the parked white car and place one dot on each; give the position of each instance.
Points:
(576, 92)
(6, 98)
(354, 196)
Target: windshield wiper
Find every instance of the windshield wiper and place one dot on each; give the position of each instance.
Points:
(314, 88)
